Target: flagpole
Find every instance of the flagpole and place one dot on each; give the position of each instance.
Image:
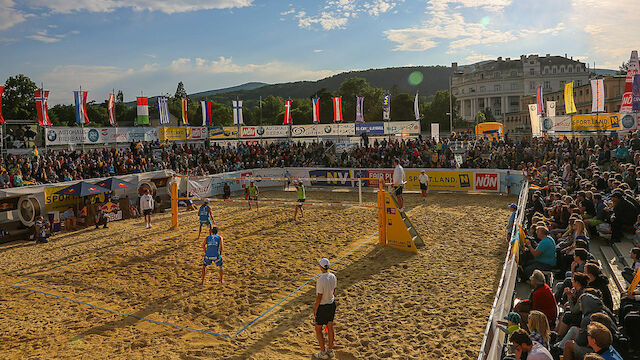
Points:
(238, 119)
(43, 117)
(81, 120)
(113, 91)
(260, 106)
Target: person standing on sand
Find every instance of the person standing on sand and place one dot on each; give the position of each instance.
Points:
(253, 194)
(302, 197)
(212, 246)
(146, 206)
(206, 217)
(424, 184)
(324, 309)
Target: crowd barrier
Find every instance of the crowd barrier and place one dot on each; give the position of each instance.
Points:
(494, 339)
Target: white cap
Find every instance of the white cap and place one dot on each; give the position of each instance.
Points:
(324, 262)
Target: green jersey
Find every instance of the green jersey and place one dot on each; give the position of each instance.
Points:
(301, 193)
(253, 191)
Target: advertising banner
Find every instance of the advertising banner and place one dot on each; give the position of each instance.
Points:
(385, 175)
(172, 133)
(198, 133)
(594, 122)
(402, 127)
(324, 130)
(435, 131)
(338, 174)
(597, 98)
(485, 181)
(64, 135)
(89, 135)
(556, 123)
(54, 202)
(370, 128)
(136, 134)
(265, 131)
(223, 132)
(535, 120)
(112, 211)
(442, 180)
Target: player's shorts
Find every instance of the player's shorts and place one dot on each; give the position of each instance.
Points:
(254, 198)
(301, 201)
(423, 186)
(215, 260)
(398, 190)
(325, 313)
(147, 211)
(205, 222)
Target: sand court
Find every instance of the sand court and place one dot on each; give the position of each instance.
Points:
(391, 304)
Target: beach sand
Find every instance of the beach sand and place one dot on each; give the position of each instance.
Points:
(391, 304)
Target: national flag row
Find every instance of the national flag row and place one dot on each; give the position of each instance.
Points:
(630, 97)
(82, 117)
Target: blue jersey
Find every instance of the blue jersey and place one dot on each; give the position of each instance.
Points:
(213, 246)
(204, 212)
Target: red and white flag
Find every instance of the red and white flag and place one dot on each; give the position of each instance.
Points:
(1, 91)
(41, 107)
(316, 110)
(287, 113)
(111, 109)
(337, 109)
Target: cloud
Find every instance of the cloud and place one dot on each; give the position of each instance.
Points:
(317, 51)
(10, 16)
(44, 37)
(610, 28)
(166, 6)
(474, 57)
(335, 14)
(198, 74)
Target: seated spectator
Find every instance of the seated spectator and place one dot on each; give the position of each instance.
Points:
(576, 345)
(573, 314)
(544, 255)
(597, 280)
(69, 219)
(40, 230)
(539, 328)
(541, 299)
(101, 219)
(525, 348)
(4, 179)
(630, 272)
(624, 215)
(601, 340)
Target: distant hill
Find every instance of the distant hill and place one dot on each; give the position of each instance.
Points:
(247, 86)
(391, 79)
(604, 72)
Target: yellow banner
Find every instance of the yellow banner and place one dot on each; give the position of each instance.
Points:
(569, 104)
(595, 122)
(53, 202)
(442, 180)
(174, 133)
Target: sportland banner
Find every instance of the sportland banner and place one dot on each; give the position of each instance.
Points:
(627, 98)
(182, 133)
(599, 122)
(77, 135)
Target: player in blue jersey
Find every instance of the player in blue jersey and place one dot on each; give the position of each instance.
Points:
(212, 246)
(206, 217)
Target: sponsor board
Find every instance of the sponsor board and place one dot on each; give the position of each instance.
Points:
(402, 127)
(88, 135)
(442, 180)
(111, 211)
(223, 132)
(55, 202)
(334, 177)
(264, 131)
(323, 130)
(385, 175)
(370, 128)
(198, 133)
(173, 133)
(595, 122)
(556, 123)
(487, 181)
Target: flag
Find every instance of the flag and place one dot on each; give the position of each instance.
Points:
(627, 98)
(163, 110)
(635, 91)
(111, 109)
(1, 91)
(551, 108)
(80, 98)
(41, 107)
(569, 105)
(386, 107)
(237, 112)
(535, 120)
(315, 103)
(183, 111)
(359, 109)
(207, 120)
(539, 100)
(597, 99)
(337, 109)
(143, 110)
(416, 109)
(287, 113)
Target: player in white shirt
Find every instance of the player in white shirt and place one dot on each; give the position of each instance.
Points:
(324, 309)
(424, 185)
(146, 206)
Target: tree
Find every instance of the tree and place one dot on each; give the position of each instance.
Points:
(480, 117)
(181, 93)
(622, 69)
(402, 107)
(120, 97)
(436, 111)
(19, 98)
(488, 115)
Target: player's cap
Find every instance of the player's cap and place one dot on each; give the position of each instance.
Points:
(324, 262)
(513, 206)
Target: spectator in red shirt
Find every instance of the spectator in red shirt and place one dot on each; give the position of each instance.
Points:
(541, 299)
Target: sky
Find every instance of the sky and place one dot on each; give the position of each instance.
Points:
(148, 46)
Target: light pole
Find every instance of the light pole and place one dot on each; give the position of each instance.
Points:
(450, 108)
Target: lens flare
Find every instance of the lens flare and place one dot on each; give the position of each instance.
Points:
(415, 78)
(485, 21)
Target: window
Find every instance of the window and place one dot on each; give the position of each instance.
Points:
(580, 92)
(482, 76)
(562, 69)
(577, 83)
(498, 88)
(532, 71)
(547, 84)
(570, 69)
(514, 73)
(587, 91)
(496, 111)
(483, 88)
(554, 69)
(532, 85)
(514, 86)
(496, 75)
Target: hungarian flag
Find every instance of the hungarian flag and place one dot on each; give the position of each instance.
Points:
(207, 120)
(287, 113)
(1, 91)
(41, 107)
(80, 98)
(337, 109)
(185, 121)
(143, 110)
(315, 102)
(111, 109)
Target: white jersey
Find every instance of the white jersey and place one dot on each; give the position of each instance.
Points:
(423, 179)
(146, 202)
(398, 176)
(326, 285)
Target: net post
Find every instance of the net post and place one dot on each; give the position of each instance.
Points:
(382, 221)
(360, 192)
(174, 205)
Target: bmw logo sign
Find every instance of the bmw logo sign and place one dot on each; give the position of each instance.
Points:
(93, 135)
(327, 129)
(51, 135)
(261, 131)
(547, 123)
(628, 121)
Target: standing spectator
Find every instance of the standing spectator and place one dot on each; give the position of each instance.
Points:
(226, 190)
(324, 309)
(507, 182)
(512, 220)
(398, 182)
(424, 185)
(146, 206)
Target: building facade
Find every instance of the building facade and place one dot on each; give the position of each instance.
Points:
(499, 85)
(519, 123)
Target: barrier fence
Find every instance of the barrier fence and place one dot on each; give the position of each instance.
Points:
(493, 340)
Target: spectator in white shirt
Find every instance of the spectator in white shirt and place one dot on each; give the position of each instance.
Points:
(146, 206)
(522, 344)
(398, 182)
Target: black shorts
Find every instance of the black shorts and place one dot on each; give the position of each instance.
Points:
(423, 186)
(398, 190)
(254, 198)
(147, 212)
(300, 201)
(325, 313)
